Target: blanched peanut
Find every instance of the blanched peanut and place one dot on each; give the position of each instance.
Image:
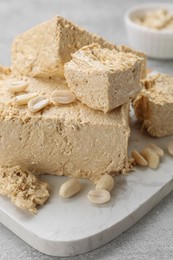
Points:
(99, 196)
(156, 149)
(70, 188)
(62, 97)
(139, 159)
(37, 103)
(106, 182)
(151, 157)
(17, 86)
(24, 99)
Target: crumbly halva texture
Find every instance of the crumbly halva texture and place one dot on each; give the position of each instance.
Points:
(67, 139)
(43, 50)
(23, 188)
(154, 105)
(159, 19)
(103, 79)
(123, 48)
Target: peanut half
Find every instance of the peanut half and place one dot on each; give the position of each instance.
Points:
(151, 157)
(156, 149)
(70, 188)
(170, 148)
(37, 103)
(139, 159)
(106, 182)
(99, 196)
(24, 99)
(62, 97)
(17, 86)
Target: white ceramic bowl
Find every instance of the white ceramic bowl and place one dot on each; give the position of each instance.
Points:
(154, 43)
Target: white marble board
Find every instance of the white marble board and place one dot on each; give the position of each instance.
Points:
(75, 226)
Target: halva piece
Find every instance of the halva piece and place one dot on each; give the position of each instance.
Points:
(23, 188)
(154, 105)
(103, 79)
(43, 50)
(69, 139)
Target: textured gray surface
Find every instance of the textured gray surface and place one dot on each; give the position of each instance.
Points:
(152, 237)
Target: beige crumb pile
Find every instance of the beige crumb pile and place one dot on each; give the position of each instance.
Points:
(23, 188)
(154, 105)
(158, 19)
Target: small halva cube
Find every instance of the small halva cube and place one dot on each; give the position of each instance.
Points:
(103, 79)
(154, 105)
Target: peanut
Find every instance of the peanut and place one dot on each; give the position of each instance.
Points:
(139, 159)
(62, 97)
(37, 103)
(156, 149)
(70, 188)
(99, 196)
(106, 182)
(24, 99)
(151, 157)
(17, 86)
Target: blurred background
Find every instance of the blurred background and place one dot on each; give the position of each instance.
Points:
(151, 238)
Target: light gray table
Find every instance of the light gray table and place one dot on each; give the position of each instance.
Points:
(152, 237)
